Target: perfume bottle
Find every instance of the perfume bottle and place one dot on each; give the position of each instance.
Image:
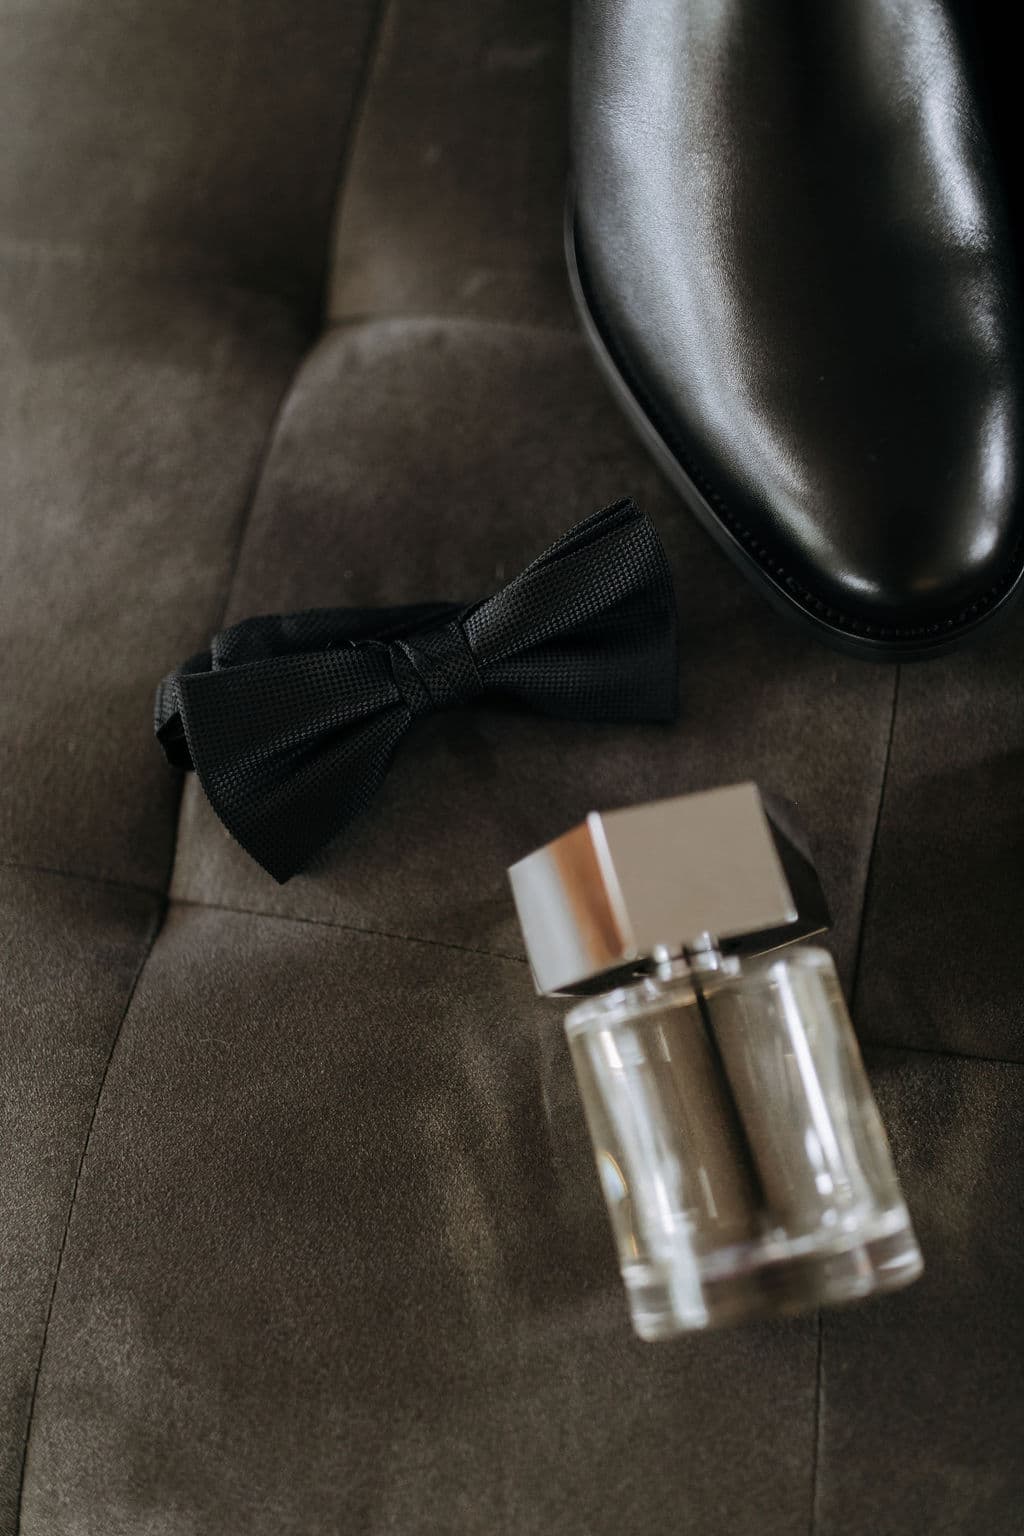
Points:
(742, 1159)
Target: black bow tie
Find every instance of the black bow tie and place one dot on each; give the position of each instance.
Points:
(291, 721)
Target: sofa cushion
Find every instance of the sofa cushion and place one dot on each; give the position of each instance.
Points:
(422, 459)
(71, 951)
(305, 1230)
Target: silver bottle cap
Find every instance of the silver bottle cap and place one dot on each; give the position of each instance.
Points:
(628, 888)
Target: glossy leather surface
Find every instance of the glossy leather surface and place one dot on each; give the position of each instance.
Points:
(792, 241)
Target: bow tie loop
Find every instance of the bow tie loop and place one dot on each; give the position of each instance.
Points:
(435, 670)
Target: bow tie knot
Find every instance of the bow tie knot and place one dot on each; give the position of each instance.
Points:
(435, 669)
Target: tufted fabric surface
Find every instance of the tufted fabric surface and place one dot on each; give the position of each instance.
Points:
(299, 1231)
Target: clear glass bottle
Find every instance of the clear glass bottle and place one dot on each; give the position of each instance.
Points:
(743, 1162)
(742, 1158)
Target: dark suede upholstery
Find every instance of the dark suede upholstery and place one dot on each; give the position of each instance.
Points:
(299, 1231)
(468, 495)
(71, 950)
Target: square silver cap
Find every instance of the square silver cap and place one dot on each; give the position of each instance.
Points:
(626, 887)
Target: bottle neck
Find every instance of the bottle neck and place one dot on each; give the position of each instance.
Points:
(702, 956)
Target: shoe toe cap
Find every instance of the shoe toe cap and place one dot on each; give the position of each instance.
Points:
(924, 537)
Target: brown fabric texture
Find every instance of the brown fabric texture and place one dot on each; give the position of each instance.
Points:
(179, 138)
(424, 226)
(135, 413)
(71, 950)
(299, 1230)
(920, 1420)
(384, 1275)
(950, 859)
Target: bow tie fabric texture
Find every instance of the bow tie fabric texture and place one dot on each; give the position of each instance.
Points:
(291, 721)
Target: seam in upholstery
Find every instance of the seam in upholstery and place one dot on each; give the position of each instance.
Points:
(281, 917)
(252, 493)
(819, 1373)
(156, 927)
(367, 933)
(566, 330)
(37, 252)
(111, 882)
(347, 152)
(869, 1046)
(941, 1053)
(870, 871)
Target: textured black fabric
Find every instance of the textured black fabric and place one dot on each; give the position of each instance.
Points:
(291, 721)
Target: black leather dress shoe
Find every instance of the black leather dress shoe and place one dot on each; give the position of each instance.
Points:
(789, 249)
